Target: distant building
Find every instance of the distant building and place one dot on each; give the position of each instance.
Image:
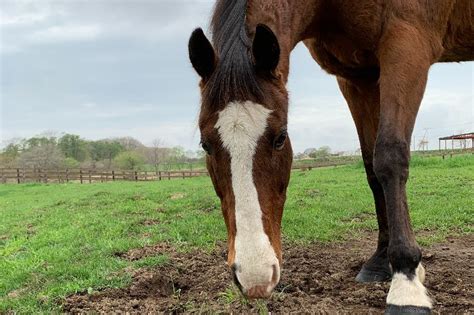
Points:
(462, 140)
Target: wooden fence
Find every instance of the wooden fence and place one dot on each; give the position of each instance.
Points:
(19, 175)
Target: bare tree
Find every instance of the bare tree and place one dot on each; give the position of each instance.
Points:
(129, 143)
(156, 154)
(45, 157)
(50, 134)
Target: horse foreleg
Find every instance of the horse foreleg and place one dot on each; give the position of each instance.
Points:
(363, 99)
(405, 58)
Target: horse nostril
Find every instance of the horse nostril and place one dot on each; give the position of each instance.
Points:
(276, 275)
(234, 277)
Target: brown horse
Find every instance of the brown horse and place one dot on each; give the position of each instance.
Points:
(380, 52)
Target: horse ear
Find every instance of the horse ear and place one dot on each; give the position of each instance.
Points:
(201, 54)
(265, 48)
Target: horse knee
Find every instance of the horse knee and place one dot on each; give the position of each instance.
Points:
(391, 159)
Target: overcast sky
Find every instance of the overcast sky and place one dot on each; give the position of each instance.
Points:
(120, 68)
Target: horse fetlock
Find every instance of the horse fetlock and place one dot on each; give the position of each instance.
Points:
(404, 258)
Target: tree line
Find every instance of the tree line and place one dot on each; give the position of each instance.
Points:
(72, 151)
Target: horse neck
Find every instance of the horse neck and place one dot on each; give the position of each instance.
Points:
(290, 20)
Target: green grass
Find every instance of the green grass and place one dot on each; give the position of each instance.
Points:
(63, 238)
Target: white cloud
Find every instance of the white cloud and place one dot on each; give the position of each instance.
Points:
(89, 105)
(319, 121)
(6, 48)
(91, 110)
(66, 33)
(21, 19)
(23, 13)
(443, 112)
(135, 79)
(434, 98)
(24, 23)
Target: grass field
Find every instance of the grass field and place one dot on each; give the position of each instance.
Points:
(60, 239)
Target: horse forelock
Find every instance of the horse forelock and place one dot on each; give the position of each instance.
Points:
(234, 78)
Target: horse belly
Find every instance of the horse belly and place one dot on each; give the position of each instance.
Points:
(343, 57)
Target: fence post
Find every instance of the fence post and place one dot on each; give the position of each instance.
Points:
(145, 176)
(159, 175)
(113, 175)
(80, 175)
(169, 175)
(18, 175)
(90, 179)
(136, 176)
(67, 175)
(184, 176)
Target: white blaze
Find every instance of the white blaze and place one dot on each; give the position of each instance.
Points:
(240, 126)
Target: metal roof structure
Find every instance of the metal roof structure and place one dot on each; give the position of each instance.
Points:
(462, 136)
(459, 137)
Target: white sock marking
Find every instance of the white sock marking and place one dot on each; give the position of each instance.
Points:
(240, 126)
(404, 291)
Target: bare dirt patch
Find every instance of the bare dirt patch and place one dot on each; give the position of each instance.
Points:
(150, 222)
(146, 251)
(317, 278)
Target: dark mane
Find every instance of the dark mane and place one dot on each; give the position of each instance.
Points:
(234, 78)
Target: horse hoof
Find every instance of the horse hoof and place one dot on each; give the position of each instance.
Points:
(366, 275)
(406, 310)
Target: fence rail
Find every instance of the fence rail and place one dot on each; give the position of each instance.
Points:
(22, 175)
(19, 175)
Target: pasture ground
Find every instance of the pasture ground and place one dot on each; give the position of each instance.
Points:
(123, 245)
(317, 278)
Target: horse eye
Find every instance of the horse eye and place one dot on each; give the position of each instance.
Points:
(279, 141)
(206, 147)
